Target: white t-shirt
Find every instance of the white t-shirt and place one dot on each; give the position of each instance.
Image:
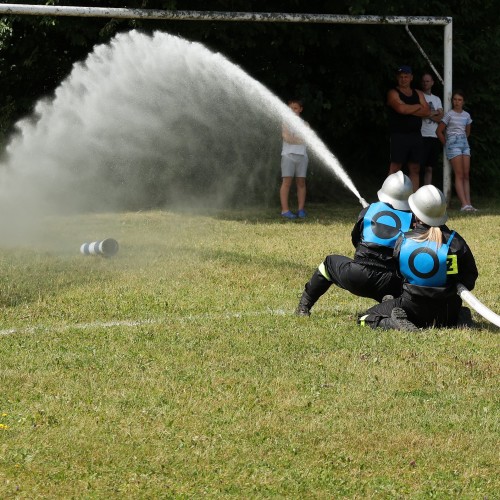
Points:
(456, 122)
(297, 149)
(429, 126)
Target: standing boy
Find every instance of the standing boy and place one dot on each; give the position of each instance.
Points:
(294, 161)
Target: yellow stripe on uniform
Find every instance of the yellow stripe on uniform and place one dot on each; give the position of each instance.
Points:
(323, 271)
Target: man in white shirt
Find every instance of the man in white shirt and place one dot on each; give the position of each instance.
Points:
(431, 145)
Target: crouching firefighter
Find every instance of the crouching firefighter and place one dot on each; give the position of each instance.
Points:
(372, 272)
(432, 260)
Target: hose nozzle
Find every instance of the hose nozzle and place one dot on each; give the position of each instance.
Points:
(105, 248)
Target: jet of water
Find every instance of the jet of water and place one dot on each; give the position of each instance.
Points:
(144, 121)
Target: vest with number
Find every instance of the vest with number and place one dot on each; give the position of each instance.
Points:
(383, 224)
(422, 263)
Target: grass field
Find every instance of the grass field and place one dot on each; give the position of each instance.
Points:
(176, 369)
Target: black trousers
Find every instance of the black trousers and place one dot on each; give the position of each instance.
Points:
(361, 279)
(421, 312)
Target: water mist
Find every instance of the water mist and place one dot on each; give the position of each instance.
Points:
(148, 121)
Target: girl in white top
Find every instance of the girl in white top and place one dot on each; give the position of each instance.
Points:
(453, 132)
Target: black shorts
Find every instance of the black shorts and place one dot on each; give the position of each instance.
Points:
(406, 148)
(431, 148)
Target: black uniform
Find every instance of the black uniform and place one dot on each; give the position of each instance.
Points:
(372, 272)
(430, 280)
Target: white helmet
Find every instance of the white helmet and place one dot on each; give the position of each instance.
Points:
(395, 191)
(429, 205)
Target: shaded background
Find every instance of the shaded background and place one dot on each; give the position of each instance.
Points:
(342, 72)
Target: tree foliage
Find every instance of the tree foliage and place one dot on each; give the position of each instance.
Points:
(341, 71)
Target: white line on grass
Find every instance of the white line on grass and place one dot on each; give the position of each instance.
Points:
(142, 322)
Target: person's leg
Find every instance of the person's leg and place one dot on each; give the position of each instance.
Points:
(300, 181)
(394, 167)
(435, 149)
(301, 192)
(362, 280)
(458, 169)
(388, 315)
(466, 182)
(287, 175)
(284, 193)
(414, 174)
(415, 146)
(428, 175)
(313, 290)
(398, 152)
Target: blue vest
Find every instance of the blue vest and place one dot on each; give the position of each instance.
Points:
(383, 224)
(422, 263)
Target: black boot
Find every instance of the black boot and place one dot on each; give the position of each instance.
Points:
(305, 304)
(397, 321)
(313, 290)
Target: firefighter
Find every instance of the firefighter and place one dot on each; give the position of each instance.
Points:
(372, 272)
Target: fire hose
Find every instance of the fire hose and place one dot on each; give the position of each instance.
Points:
(478, 306)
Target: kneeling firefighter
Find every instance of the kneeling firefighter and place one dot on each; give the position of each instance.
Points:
(432, 260)
(372, 272)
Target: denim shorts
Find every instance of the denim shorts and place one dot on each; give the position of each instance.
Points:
(457, 145)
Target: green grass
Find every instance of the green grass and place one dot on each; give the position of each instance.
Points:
(177, 370)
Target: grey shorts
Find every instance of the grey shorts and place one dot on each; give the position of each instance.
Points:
(293, 165)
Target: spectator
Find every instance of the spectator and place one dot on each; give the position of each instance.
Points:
(430, 143)
(294, 162)
(407, 107)
(453, 132)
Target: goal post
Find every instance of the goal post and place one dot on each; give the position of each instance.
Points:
(128, 13)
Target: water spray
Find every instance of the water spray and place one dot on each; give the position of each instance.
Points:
(104, 248)
(478, 306)
(103, 144)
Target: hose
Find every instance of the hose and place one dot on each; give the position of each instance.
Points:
(478, 306)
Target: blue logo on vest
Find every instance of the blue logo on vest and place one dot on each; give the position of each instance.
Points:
(382, 224)
(422, 263)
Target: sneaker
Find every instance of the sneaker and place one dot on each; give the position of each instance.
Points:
(400, 321)
(302, 310)
(288, 215)
(468, 208)
(302, 214)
